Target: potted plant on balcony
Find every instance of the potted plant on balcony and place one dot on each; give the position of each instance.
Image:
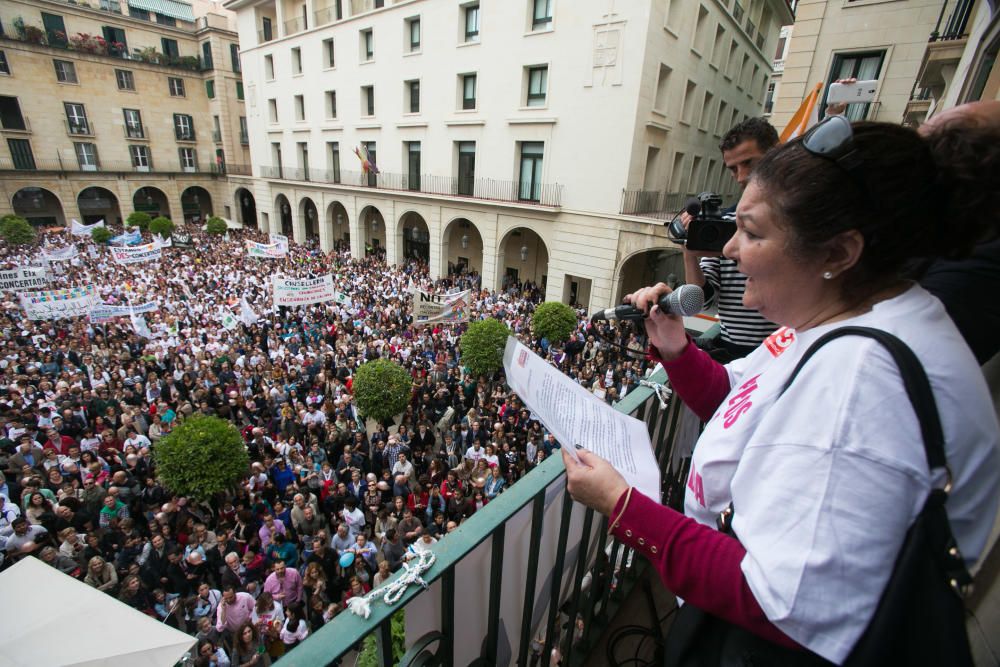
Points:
(34, 34)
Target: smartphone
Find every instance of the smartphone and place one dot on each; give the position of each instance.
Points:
(860, 91)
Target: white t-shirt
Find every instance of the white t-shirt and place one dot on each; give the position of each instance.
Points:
(826, 479)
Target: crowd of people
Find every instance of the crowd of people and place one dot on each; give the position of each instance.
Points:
(331, 505)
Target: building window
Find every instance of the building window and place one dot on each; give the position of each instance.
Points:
(370, 149)
(334, 160)
(769, 98)
(541, 16)
(466, 167)
(234, 55)
(10, 114)
(300, 107)
(4, 67)
(239, 90)
(86, 156)
(125, 79)
(368, 100)
(76, 118)
(133, 124)
(296, 60)
(20, 153)
(169, 48)
(141, 14)
(860, 66)
(65, 71)
(413, 91)
(472, 23)
(206, 55)
(330, 60)
(244, 131)
(140, 157)
(468, 91)
(188, 159)
(55, 29)
(738, 12)
(266, 31)
(530, 175)
(210, 88)
(331, 104)
(272, 109)
(413, 165)
(176, 87)
(367, 45)
(163, 19)
(538, 82)
(413, 33)
(183, 127)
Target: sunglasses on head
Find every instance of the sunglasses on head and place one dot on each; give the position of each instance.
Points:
(833, 139)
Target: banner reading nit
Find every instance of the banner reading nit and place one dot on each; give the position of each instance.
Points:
(429, 307)
(59, 303)
(302, 292)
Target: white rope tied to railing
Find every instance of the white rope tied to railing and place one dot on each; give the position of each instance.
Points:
(662, 391)
(393, 591)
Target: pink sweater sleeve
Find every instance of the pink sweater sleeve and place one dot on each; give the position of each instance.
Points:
(700, 381)
(697, 563)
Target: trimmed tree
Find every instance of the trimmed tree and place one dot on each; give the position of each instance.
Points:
(16, 231)
(138, 219)
(162, 226)
(482, 346)
(382, 389)
(201, 457)
(216, 225)
(553, 320)
(100, 235)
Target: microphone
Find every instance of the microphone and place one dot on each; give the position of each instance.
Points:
(693, 206)
(685, 300)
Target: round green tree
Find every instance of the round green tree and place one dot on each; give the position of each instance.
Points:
(15, 230)
(201, 457)
(382, 389)
(553, 320)
(162, 226)
(138, 219)
(482, 346)
(216, 225)
(100, 235)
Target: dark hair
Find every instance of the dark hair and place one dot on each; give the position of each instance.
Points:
(757, 129)
(898, 198)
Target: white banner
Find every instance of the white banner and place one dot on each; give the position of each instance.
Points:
(139, 326)
(160, 242)
(294, 292)
(247, 316)
(58, 304)
(272, 251)
(429, 307)
(23, 278)
(279, 239)
(80, 229)
(128, 238)
(59, 254)
(103, 312)
(135, 254)
(229, 321)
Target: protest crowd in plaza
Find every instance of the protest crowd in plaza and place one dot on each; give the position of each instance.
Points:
(84, 401)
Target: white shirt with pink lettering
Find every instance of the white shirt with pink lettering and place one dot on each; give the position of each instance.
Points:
(826, 478)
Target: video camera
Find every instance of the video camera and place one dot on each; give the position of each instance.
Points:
(709, 229)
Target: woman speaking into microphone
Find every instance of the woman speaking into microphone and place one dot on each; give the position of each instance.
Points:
(822, 463)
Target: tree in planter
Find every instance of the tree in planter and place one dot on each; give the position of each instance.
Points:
(138, 219)
(482, 346)
(216, 225)
(201, 457)
(100, 235)
(162, 226)
(554, 321)
(16, 231)
(382, 389)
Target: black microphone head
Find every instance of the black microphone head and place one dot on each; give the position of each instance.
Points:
(686, 300)
(693, 206)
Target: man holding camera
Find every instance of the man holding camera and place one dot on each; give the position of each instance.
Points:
(742, 329)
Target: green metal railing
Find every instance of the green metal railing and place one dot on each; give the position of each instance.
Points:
(612, 568)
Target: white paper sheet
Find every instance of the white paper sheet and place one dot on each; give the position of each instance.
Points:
(577, 417)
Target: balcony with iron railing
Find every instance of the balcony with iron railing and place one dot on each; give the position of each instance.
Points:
(778, 66)
(568, 606)
(327, 15)
(295, 25)
(107, 166)
(80, 128)
(657, 204)
(98, 47)
(487, 189)
(945, 46)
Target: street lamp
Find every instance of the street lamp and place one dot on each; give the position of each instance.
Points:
(465, 240)
(524, 253)
(340, 219)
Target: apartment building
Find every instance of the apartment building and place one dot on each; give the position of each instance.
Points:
(110, 106)
(541, 140)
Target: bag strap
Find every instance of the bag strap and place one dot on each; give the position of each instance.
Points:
(918, 387)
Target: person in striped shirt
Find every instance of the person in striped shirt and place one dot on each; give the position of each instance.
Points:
(742, 328)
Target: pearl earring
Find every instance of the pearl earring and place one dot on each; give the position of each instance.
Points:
(828, 275)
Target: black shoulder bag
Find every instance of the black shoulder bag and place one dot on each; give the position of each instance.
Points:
(920, 618)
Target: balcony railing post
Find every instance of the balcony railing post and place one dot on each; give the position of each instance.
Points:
(551, 627)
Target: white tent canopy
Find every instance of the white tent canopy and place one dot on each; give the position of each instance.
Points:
(53, 619)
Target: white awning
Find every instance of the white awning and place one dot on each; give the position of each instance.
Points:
(179, 10)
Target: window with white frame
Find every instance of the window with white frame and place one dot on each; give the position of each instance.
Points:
(65, 71)
(188, 159)
(183, 127)
(469, 91)
(125, 79)
(176, 87)
(133, 124)
(76, 118)
(538, 83)
(86, 156)
(140, 157)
